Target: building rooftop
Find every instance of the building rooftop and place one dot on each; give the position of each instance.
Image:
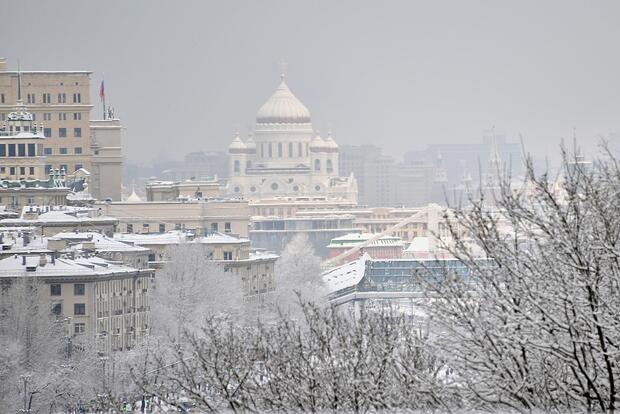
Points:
(354, 239)
(45, 265)
(178, 237)
(96, 241)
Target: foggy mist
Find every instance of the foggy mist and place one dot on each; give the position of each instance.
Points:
(403, 73)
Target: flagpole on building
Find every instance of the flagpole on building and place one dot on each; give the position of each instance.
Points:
(102, 94)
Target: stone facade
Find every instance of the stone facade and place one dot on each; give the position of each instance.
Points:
(285, 157)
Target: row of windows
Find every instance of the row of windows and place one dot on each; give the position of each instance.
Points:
(301, 149)
(46, 98)
(13, 170)
(62, 132)
(62, 151)
(78, 309)
(47, 116)
(65, 167)
(18, 150)
(162, 227)
(79, 289)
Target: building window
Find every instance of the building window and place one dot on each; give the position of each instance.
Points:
(228, 256)
(227, 227)
(152, 257)
(279, 149)
(57, 309)
(77, 116)
(63, 167)
(79, 328)
(62, 151)
(21, 150)
(47, 151)
(214, 227)
(129, 228)
(79, 289)
(145, 227)
(62, 98)
(31, 170)
(77, 98)
(30, 98)
(62, 116)
(270, 151)
(162, 228)
(77, 150)
(317, 165)
(22, 171)
(47, 116)
(47, 132)
(12, 170)
(62, 132)
(1, 98)
(79, 309)
(237, 167)
(48, 168)
(330, 167)
(77, 167)
(2, 150)
(47, 98)
(274, 186)
(55, 289)
(32, 150)
(77, 132)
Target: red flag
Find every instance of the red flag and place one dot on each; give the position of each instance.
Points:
(102, 92)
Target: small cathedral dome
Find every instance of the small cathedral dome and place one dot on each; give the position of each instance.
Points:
(283, 108)
(330, 143)
(317, 143)
(250, 143)
(237, 145)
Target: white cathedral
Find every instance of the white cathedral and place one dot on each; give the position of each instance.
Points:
(286, 158)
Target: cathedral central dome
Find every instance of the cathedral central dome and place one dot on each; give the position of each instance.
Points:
(283, 108)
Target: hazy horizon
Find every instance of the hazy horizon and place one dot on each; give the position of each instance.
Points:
(185, 76)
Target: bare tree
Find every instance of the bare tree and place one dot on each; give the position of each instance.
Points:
(298, 274)
(537, 326)
(31, 344)
(191, 287)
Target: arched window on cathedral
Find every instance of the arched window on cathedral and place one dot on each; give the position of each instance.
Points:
(237, 167)
(280, 149)
(317, 165)
(329, 166)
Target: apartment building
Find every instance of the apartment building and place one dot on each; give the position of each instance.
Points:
(201, 216)
(108, 302)
(60, 101)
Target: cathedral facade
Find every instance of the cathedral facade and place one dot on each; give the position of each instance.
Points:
(285, 157)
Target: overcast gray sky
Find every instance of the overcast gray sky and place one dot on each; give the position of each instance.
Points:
(185, 75)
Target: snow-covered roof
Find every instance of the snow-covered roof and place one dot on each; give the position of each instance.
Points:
(354, 239)
(347, 275)
(177, 237)
(58, 214)
(101, 242)
(44, 266)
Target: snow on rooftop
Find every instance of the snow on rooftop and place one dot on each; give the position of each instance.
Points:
(177, 237)
(101, 242)
(347, 275)
(13, 266)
